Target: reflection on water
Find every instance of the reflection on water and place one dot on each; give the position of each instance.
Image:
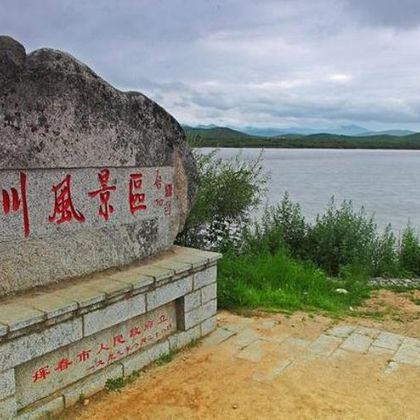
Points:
(385, 182)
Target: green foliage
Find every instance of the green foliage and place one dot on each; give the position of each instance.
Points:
(116, 384)
(341, 237)
(276, 281)
(229, 190)
(342, 240)
(165, 358)
(410, 252)
(384, 259)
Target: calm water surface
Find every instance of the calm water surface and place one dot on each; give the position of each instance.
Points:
(385, 182)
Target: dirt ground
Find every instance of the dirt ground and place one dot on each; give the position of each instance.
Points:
(211, 382)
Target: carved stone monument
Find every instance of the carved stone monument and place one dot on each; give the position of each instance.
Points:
(95, 184)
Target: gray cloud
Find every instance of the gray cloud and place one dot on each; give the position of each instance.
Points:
(243, 62)
(399, 14)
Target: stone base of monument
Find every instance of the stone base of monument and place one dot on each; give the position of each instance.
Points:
(59, 344)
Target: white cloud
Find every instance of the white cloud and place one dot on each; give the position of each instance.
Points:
(242, 62)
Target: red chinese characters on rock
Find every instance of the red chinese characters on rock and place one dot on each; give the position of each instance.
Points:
(64, 210)
(166, 201)
(40, 374)
(134, 332)
(105, 209)
(119, 339)
(167, 209)
(169, 190)
(105, 353)
(63, 364)
(16, 200)
(83, 355)
(136, 197)
(158, 180)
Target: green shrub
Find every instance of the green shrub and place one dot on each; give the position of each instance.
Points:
(409, 254)
(383, 258)
(341, 236)
(228, 191)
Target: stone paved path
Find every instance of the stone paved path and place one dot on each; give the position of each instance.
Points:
(337, 342)
(277, 366)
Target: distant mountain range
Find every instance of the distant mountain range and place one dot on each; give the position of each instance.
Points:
(212, 136)
(346, 130)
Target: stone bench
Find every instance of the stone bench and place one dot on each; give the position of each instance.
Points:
(68, 340)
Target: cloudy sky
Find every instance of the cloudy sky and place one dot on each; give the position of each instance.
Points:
(308, 63)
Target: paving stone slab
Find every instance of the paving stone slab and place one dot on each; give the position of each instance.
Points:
(341, 331)
(272, 374)
(340, 354)
(408, 354)
(412, 341)
(246, 337)
(325, 345)
(278, 338)
(380, 351)
(218, 336)
(357, 343)
(253, 352)
(296, 342)
(370, 332)
(388, 341)
(239, 326)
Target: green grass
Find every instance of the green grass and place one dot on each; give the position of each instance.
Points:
(116, 384)
(166, 358)
(277, 282)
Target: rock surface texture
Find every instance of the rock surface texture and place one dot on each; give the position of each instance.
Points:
(56, 113)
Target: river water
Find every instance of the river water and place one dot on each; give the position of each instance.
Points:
(385, 182)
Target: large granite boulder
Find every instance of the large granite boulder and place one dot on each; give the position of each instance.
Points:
(90, 177)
